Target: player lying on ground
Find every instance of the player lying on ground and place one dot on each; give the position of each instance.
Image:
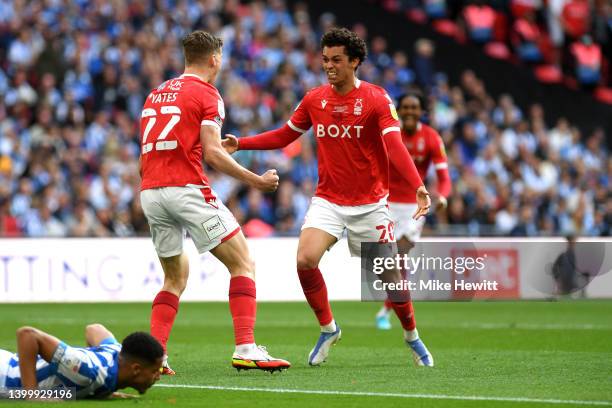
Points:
(426, 148)
(181, 122)
(97, 371)
(358, 134)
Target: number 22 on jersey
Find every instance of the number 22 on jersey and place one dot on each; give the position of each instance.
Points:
(169, 117)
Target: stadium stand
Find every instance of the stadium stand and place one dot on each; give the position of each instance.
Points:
(73, 77)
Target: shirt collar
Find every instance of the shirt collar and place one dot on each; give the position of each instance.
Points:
(192, 75)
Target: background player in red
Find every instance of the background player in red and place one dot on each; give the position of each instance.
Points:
(426, 148)
(181, 120)
(358, 133)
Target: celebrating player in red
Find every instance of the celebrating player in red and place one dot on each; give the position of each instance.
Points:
(358, 134)
(182, 119)
(426, 147)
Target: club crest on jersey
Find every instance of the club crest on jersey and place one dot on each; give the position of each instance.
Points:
(420, 145)
(175, 85)
(358, 108)
(323, 103)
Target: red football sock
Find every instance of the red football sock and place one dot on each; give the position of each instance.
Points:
(164, 310)
(388, 304)
(315, 291)
(243, 306)
(405, 313)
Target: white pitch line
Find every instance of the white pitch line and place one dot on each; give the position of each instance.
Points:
(389, 394)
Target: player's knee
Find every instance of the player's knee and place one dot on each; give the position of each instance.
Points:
(177, 282)
(243, 267)
(306, 261)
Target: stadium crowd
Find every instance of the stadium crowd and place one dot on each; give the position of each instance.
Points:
(557, 37)
(74, 75)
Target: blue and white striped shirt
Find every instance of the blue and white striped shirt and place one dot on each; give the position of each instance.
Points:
(92, 371)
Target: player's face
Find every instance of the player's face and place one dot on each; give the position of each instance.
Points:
(337, 66)
(410, 112)
(144, 376)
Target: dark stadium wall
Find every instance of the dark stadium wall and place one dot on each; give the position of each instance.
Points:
(453, 58)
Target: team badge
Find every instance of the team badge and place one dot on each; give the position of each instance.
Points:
(358, 107)
(421, 145)
(221, 108)
(393, 111)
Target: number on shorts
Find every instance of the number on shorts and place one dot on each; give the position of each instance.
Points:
(386, 232)
(161, 143)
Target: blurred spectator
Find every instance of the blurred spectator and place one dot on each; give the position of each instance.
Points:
(587, 61)
(527, 37)
(479, 19)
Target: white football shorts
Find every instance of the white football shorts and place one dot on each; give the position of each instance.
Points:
(172, 210)
(405, 225)
(363, 223)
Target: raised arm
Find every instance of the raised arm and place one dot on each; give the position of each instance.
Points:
(30, 343)
(216, 156)
(95, 333)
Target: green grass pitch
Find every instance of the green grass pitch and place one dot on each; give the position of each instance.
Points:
(527, 354)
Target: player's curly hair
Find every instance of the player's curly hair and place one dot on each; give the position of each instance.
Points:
(355, 47)
(143, 347)
(198, 45)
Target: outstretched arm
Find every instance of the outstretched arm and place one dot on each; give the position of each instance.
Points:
(271, 140)
(30, 343)
(216, 156)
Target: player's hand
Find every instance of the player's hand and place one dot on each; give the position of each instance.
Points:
(268, 181)
(230, 143)
(441, 203)
(423, 203)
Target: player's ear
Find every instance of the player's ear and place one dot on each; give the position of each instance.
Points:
(136, 368)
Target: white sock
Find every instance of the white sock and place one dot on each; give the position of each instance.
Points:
(245, 349)
(329, 328)
(411, 335)
(383, 312)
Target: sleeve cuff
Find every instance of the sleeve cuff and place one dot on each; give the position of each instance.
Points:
(390, 129)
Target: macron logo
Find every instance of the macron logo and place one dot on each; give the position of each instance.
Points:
(323, 103)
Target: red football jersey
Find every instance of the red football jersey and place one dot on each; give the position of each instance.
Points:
(353, 162)
(170, 125)
(426, 147)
